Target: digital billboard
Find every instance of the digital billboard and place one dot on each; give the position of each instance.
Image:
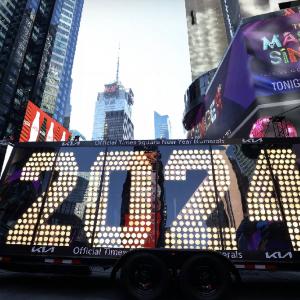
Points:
(258, 77)
(39, 126)
(273, 48)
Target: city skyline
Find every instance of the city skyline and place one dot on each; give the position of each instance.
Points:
(154, 60)
(156, 56)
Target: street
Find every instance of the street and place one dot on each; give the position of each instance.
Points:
(13, 286)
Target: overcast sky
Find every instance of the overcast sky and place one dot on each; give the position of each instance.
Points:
(154, 60)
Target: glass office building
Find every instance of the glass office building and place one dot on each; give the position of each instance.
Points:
(34, 58)
(7, 9)
(112, 120)
(162, 126)
(56, 95)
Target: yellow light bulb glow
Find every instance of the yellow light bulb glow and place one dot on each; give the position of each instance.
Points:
(282, 162)
(202, 201)
(135, 234)
(46, 235)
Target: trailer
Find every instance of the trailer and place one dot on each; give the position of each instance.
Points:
(197, 211)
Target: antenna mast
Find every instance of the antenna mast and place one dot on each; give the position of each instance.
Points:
(118, 65)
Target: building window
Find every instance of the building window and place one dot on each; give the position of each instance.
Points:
(193, 18)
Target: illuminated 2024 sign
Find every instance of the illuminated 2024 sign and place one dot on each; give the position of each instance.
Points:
(189, 229)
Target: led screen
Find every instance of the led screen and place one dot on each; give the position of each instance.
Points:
(273, 48)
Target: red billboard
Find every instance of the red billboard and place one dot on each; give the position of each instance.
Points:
(39, 127)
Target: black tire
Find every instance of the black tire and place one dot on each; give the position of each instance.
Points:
(204, 277)
(144, 276)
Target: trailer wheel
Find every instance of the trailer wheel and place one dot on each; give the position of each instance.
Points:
(144, 276)
(204, 277)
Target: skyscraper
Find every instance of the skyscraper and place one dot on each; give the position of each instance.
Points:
(162, 126)
(7, 9)
(33, 44)
(206, 34)
(58, 85)
(112, 120)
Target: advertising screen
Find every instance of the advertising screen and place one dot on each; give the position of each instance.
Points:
(38, 126)
(273, 48)
(258, 77)
(230, 93)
